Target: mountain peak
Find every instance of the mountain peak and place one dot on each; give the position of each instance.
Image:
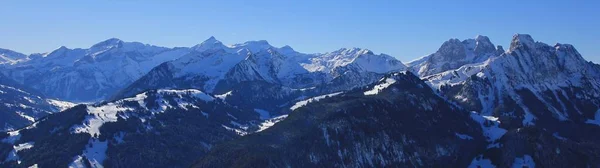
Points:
(483, 45)
(499, 50)
(451, 46)
(353, 51)
(62, 48)
(254, 46)
(287, 47)
(522, 40)
(257, 42)
(209, 44)
(482, 38)
(109, 43)
(211, 40)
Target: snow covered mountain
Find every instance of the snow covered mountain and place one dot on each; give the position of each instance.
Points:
(397, 122)
(158, 128)
(534, 89)
(216, 68)
(255, 105)
(89, 74)
(21, 106)
(454, 54)
(555, 75)
(97, 73)
(372, 127)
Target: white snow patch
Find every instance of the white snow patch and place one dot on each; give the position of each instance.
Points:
(23, 146)
(243, 127)
(479, 161)
(96, 154)
(237, 131)
(223, 96)
(97, 117)
(13, 155)
(377, 88)
(305, 102)
(29, 118)
(526, 161)
(491, 132)
(270, 122)
(139, 98)
(61, 105)
(78, 162)
(12, 137)
(196, 93)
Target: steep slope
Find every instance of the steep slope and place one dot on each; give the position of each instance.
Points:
(159, 128)
(89, 74)
(547, 97)
(398, 121)
(454, 54)
(21, 106)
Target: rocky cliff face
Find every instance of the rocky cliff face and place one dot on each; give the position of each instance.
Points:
(455, 53)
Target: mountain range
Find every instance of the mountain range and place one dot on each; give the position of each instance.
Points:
(469, 104)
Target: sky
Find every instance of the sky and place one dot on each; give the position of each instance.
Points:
(404, 29)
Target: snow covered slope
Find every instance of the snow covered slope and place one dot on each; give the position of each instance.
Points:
(89, 74)
(158, 128)
(21, 106)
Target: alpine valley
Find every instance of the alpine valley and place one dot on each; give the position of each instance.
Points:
(469, 104)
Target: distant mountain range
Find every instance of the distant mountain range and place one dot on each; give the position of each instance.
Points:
(469, 104)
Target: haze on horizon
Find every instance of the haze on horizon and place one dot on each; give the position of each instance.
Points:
(406, 30)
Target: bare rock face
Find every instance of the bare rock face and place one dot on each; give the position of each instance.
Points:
(454, 54)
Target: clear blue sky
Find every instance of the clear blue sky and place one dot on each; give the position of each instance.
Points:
(404, 29)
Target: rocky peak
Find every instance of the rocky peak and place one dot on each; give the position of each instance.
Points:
(352, 51)
(452, 49)
(286, 50)
(253, 46)
(209, 44)
(106, 44)
(522, 40)
(483, 45)
(499, 50)
(59, 51)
